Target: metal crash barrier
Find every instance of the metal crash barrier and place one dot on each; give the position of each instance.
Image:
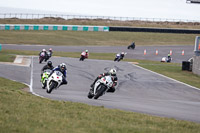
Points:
(53, 27)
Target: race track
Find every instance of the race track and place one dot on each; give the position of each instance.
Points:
(138, 90)
(137, 53)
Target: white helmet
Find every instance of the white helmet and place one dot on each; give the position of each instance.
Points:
(62, 67)
(43, 50)
(113, 72)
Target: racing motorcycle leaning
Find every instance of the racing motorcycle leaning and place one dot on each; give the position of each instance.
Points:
(84, 55)
(49, 54)
(117, 57)
(166, 59)
(42, 57)
(44, 78)
(100, 87)
(54, 81)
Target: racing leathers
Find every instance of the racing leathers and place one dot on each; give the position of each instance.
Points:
(114, 79)
(64, 72)
(46, 67)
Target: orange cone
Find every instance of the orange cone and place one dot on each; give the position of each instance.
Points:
(183, 52)
(156, 52)
(170, 52)
(145, 52)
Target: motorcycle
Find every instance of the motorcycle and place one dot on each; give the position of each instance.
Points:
(54, 81)
(165, 59)
(118, 57)
(100, 87)
(49, 54)
(131, 46)
(44, 78)
(83, 56)
(41, 57)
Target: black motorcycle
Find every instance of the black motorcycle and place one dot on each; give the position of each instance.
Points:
(131, 46)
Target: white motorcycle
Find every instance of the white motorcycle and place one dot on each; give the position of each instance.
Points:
(100, 87)
(165, 59)
(54, 81)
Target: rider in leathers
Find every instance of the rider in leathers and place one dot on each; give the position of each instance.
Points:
(47, 66)
(113, 75)
(62, 68)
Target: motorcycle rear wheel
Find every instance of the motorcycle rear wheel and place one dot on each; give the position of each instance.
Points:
(90, 95)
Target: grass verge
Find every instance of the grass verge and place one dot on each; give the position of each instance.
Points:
(4, 57)
(22, 112)
(94, 38)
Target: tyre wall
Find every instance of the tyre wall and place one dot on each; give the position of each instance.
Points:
(159, 30)
(53, 27)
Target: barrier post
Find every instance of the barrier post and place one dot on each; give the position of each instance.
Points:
(0, 47)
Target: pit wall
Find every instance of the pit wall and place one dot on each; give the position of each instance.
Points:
(53, 27)
(196, 65)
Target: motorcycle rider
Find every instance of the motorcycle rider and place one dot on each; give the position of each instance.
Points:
(169, 58)
(47, 66)
(84, 54)
(113, 75)
(122, 55)
(51, 51)
(119, 56)
(43, 51)
(62, 68)
(49, 54)
(132, 45)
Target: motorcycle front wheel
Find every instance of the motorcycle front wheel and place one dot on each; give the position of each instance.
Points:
(100, 90)
(51, 87)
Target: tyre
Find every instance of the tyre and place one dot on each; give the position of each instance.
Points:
(100, 90)
(51, 87)
(129, 47)
(90, 95)
(41, 59)
(44, 84)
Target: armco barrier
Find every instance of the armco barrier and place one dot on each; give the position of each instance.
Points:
(53, 27)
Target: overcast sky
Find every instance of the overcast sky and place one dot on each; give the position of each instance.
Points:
(171, 9)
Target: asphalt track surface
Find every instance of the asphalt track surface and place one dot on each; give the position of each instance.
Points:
(137, 53)
(138, 90)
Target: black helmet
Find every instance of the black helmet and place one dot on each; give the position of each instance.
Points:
(62, 67)
(49, 63)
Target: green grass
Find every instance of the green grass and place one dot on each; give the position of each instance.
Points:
(83, 38)
(21, 112)
(6, 57)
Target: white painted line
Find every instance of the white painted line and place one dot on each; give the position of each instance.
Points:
(31, 80)
(166, 77)
(18, 59)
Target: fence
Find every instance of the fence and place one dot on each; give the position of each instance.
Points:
(66, 17)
